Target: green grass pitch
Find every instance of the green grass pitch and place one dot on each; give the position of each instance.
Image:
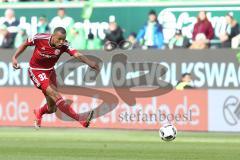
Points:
(95, 144)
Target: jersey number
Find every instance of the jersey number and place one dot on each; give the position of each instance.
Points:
(42, 76)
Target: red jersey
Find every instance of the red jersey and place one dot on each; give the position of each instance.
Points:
(44, 55)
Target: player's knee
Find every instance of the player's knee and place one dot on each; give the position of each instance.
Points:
(52, 109)
(54, 94)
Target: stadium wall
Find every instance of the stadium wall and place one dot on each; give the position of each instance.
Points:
(212, 106)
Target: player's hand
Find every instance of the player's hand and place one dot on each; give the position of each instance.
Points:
(15, 64)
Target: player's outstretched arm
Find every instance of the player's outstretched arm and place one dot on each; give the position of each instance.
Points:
(18, 52)
(84, 59)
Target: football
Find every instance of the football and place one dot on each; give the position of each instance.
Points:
(168, 132)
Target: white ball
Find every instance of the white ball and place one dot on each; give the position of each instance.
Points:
(168, 132)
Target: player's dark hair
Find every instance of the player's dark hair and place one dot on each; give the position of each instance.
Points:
(186, 74)
(61, 9)
(152, 12)
(230, 14)
(59, 29)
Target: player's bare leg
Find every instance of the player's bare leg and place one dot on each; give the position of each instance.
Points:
(48, 108)
(61, 104)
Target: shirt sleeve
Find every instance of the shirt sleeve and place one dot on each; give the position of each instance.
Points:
(31, 41)
(71, 51)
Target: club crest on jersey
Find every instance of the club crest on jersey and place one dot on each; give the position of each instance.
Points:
(57, 52)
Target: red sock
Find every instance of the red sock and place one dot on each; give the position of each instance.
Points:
(65, 108)
(43, 110)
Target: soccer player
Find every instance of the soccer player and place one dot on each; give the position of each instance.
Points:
(48, 49)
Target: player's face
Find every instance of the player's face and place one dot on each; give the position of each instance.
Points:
(228, 19)
(152, 18)
(61, 13)
(187, 78)
(202, 15)
(58, 39)
(112, 26)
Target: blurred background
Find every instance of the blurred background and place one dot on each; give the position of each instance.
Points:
(160, 24)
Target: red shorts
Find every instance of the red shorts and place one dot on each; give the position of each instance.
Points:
(43, 78)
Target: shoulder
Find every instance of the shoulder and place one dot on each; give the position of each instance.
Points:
(68, 18)
(236, 25)
(15, 23)
(207, 22)
(119, 29)
(39, 37)
(55, 18)
(158, 25)
(42, 36)
(197, 23)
